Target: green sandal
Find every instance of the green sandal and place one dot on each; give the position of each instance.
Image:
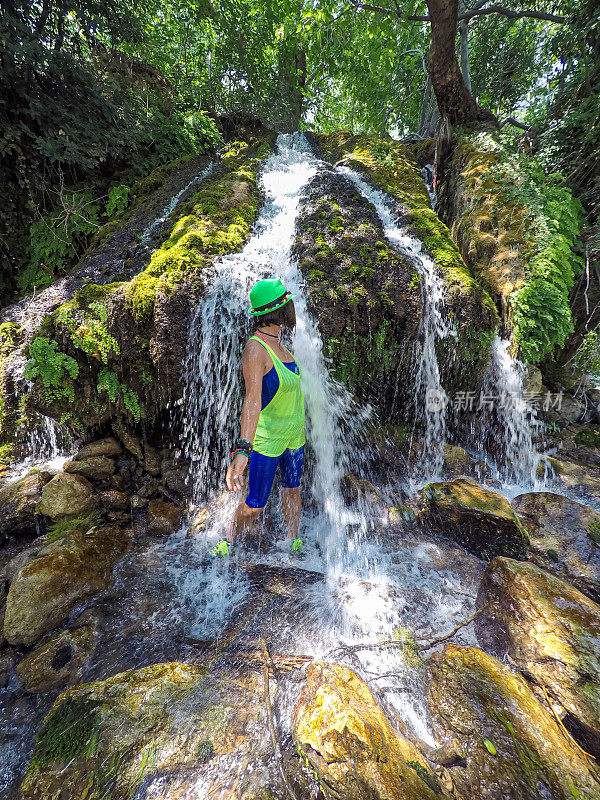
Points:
(222, 548)
(297, 546)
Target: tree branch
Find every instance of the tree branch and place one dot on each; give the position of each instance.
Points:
(476, 11)
(516, 123)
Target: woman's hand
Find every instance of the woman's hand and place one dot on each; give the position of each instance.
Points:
(233, 479)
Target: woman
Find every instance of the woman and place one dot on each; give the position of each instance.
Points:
(272, 427)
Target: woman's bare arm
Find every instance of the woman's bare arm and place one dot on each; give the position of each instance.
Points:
(253, 365)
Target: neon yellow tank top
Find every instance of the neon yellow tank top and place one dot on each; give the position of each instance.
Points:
(281, 422)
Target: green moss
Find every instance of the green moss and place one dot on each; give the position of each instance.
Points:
(390, 166)
(73, 522)
(589, 437)
(426, 776)
(69, 731)
(593, 530)
(215, 220)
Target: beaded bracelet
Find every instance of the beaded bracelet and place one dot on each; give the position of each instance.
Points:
(242, 447)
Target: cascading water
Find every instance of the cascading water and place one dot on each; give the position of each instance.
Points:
(432, 400)
(517, 422)
(213, 362)
(164, 215)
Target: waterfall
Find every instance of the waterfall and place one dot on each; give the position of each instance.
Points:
(213, 390)
(517, 421)
(173, 203)
(432, 400)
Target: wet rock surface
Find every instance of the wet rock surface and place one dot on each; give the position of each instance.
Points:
(564, 538)
(18, 505)
(351, 745)
(479, 519)
(63, 574)
(512, 747)
(551, 631)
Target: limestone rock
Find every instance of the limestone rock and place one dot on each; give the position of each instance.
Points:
(163, 518)
(551, 631)
(352, 746)
(514, 748)
(65, 573)
(479, 519)
(59, 662)
(102, 447)
(564, 538)
(94, 468)
(17, 504)
(149, 725)
(66, 494)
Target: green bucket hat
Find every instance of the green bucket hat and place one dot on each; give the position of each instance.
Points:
(267, 295)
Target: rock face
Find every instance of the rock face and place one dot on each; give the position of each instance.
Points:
(351, 745)
(363, 292)
(479, 519)
(391, 167)
(17, 504)
(564, 538)
(585, 480)
(513, 748)
(551, 631)
(65, 573)
(106, 737)
(58, 662)
(66, 494)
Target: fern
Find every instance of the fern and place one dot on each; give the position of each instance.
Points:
(118, 198)
(89, 331)
(49, 364)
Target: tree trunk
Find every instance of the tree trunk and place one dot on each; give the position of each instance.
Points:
(453, 98)
(463, 31)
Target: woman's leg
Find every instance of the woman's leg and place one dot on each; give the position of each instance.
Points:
(261, 472)
(290, 471)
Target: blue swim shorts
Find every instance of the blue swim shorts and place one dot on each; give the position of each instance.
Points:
(261, 473)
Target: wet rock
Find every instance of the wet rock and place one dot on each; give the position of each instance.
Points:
(59, 662)
(175, 472)
(514, 749)
(151, 461)
(163, 518)
(149, 725)
(7, 661)
(352, 746)
(64, 573)
(130, 441)
(583, 479)
(17, 504)
(66, 494)
(94, 468)
(137, 502)
(564, 538)
(479, 519)
(102, 447)
(113, 500)
(457, 460)
(148, 488)
(551, 631)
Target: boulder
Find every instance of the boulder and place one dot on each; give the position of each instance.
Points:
(102, 447)
(349, 743)
(17, 504)
(585, 480)
(148, 725)
(59, 662)
(482, 521)
(66, 494)
(551, 632)
(94, 468)
(163, 518)
(113, 500)
(564, 538)
(151, 460)
(65, 573)
(514, 748)
(457, 460)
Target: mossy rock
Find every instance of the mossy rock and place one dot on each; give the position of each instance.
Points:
(551, 631)
(349, 744)
(145, 724)
(513, 746)
(389, 165)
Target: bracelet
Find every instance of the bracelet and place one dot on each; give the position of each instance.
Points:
(242, 447)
